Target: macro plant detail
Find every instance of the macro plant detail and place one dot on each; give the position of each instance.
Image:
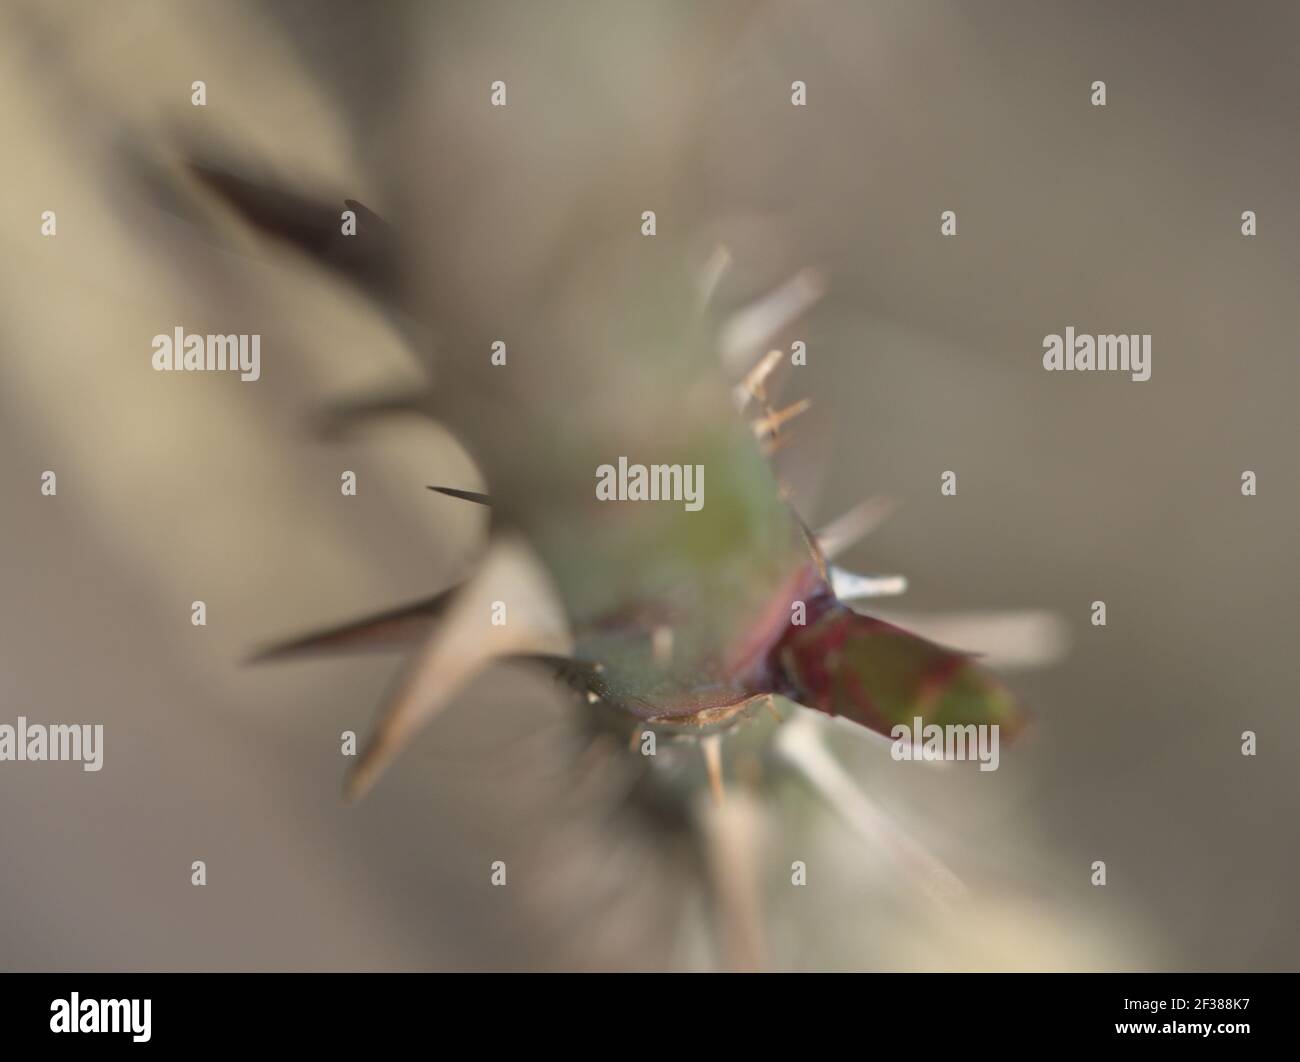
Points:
(686, 622)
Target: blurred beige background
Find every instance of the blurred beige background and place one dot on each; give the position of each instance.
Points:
(925, 357)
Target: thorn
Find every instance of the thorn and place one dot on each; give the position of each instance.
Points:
(662, 645)
(395, 628)
(711, 275)
(456, 649)
(712, 748)
(853, 526)
(464, 495)
(755, 326)
(770, 702)
(734, 842)
(800, 744)
(754, 385)
(850, 586)
(770, 425)
(1010, 640)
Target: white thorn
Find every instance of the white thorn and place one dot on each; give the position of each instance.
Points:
(853, 526)
(754, 327)
(661, 641)
(1006, 640)
(735, 838)
(711, 275)
(800, 744)
(462, 643)
(712, 748)
(850, 586)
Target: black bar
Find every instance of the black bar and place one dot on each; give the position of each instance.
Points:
(349, 1011)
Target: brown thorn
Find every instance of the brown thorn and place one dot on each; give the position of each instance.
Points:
(754, 385)
(771, 424)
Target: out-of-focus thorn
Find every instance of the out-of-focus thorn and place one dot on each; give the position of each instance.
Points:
(755, 327)
(754, 384)
(800, 744)
(463, 642)
(771, 423)
(661, 642)
(1008, 640)
(850, 586)
(397, 628)
(733, 835)
(711, 746)
(370, 258)
(853, 526)
(770, 701)
(340, 417)
(715, 268)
